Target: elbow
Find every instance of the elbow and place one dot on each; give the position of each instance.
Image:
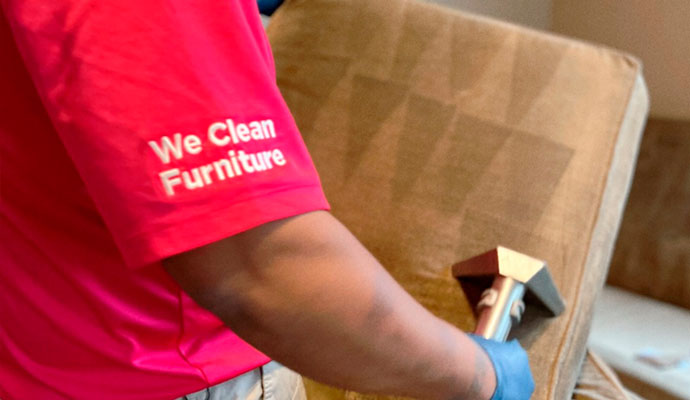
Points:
(231, 294)
(243, 303)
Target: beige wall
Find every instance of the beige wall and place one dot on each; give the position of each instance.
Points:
(656, 31)
(533, 13)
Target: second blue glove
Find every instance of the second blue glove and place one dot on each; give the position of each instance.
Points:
(513, 376)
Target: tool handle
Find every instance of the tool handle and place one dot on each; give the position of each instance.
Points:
(499, 308)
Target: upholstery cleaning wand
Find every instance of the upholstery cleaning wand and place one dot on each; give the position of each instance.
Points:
(516, 278)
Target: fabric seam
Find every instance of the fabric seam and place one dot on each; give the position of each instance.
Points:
(576, 313)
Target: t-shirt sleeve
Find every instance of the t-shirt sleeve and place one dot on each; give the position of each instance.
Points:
(171, 114)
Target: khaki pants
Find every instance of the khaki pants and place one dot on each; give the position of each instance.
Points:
(270, 382)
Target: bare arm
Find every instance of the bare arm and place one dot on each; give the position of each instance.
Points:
(308, 294)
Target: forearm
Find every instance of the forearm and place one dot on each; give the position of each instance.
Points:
(331, 312)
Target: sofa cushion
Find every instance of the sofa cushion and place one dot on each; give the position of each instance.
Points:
(440, 135)
(645, 341)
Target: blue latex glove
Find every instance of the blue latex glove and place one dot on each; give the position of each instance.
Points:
(267, 7)
(513, 377)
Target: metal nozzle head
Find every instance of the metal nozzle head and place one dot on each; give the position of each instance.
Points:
(529, 271)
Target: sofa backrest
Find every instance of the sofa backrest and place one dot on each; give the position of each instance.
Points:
(652, 254)
(440, 135)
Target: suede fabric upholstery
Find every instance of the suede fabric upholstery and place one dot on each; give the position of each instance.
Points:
(440, 135)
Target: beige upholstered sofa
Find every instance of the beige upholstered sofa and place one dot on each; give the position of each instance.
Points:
(440, 135)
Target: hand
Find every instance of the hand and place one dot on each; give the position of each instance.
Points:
(513, 376)
(267, 7)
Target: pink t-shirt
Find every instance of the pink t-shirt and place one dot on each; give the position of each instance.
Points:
(131, 130)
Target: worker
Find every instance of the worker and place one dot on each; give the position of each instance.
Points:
(164, 234)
